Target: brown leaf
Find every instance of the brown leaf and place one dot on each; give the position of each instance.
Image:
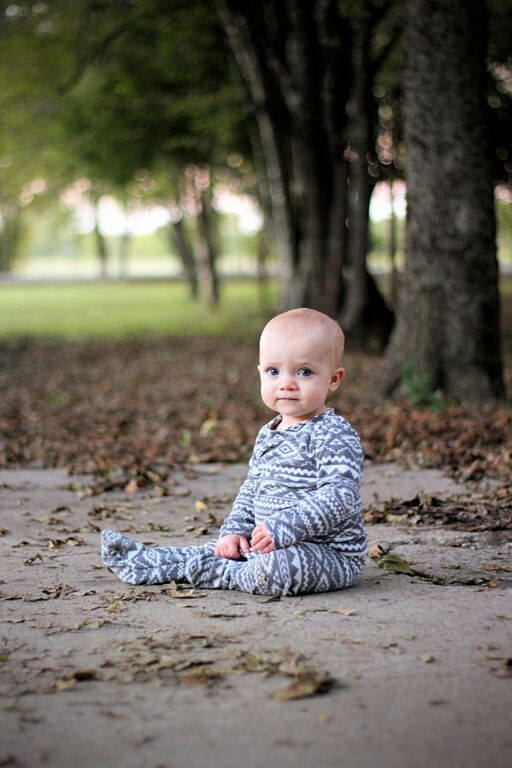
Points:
(181, 591)
(305, 685)
(505, 670)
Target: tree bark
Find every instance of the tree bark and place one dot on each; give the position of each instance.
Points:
(207, 251)
(448, 317)
(180, 244)
(293, 60)
(101, 247)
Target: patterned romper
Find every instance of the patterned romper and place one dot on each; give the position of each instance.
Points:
(304, 485)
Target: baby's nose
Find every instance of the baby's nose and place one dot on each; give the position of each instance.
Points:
(288, 382)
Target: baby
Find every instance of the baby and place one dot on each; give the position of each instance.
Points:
(295, 525)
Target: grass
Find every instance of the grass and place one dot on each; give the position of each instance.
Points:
(120, 310)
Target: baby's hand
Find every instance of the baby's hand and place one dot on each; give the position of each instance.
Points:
(230, 546)
(260, 540)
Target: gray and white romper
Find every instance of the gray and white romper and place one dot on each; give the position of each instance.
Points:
(304, 485)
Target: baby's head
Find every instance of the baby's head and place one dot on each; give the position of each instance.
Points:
(300, 363)
(311, 326)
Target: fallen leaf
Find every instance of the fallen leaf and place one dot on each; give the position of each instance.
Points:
(505, 670)
(202, 675)
(37, 558)
(496, 567)
(9, 761)
(306, 685)
(208, 427)
(396, 564)
(376, 551)
(181, 591)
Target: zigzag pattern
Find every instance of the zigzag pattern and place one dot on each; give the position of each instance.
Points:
(304, 484)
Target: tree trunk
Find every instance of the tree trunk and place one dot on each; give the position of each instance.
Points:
(180, 244)
(293, 61)
(262, 273)
(392, 248)
(124, 253)
(101, 247)
(352, 317)
(448, 318)
(207, 251)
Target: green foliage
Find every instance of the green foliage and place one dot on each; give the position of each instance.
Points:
(416, 387)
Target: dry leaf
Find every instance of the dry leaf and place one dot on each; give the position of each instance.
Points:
(37, 558)
(307, 684)
(201, 675)
(505, 670)
(396, 564)
(376, 551)
(181, 591)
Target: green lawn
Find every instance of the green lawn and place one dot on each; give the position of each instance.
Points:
(117, 310)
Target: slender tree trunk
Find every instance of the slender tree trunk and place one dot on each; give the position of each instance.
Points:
(180, 244)
(448, 319)
(124, 253)
(392, 248)
(207, 251)
(10, 236)
(262, 274)
(101, 247)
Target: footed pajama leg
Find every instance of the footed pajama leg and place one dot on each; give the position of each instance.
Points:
(136, 563)
(293, 570)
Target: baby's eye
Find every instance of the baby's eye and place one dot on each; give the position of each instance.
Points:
(272, 372)
(304, 372)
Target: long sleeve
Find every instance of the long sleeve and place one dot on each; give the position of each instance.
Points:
(333, 510)
(241, 518)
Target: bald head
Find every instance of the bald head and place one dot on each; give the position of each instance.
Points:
(310, 324)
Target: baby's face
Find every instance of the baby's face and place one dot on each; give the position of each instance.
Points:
(297, 371)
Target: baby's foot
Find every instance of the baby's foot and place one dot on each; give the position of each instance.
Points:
(117, 549)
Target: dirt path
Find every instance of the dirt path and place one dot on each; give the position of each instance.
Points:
(94, 672)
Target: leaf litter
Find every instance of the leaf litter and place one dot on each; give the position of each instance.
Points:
(134, 444)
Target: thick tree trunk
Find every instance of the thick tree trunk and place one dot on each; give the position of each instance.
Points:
(448, 320)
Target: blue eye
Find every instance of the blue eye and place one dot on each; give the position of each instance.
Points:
(272, 372)
(304, 372)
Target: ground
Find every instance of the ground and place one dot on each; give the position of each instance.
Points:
(405, 669)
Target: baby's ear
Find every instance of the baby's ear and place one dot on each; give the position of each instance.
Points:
(336, 379)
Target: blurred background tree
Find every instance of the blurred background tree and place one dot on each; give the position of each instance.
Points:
(153, 101)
